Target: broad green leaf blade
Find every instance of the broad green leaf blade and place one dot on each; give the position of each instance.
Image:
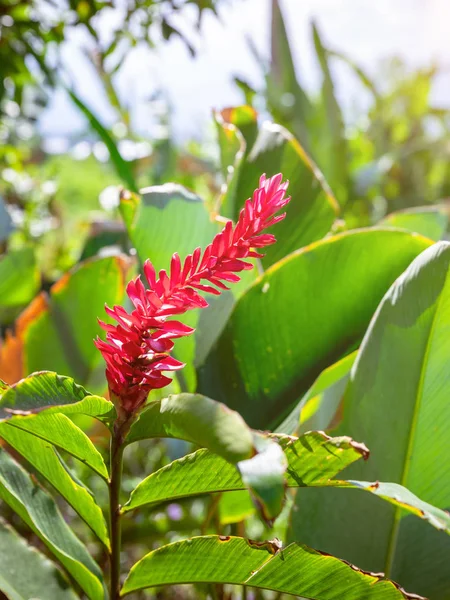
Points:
(430, 221)
(123, 169)
(43, 457)
(317, 409)
(60, 431)
(313, 208)
(19, 282)
(196, 419)
(40, 513)
(302, 315)
(52, 393)
(294, 570)
(313, 460)
(213, 319)
(56, 331)
(166, 219)
(397, 402)
(27, 573)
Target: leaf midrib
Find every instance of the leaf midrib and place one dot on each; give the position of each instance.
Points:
(393, 538)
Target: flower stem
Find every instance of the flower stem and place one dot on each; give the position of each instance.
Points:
(117, 449)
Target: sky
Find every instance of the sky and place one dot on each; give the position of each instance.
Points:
(369, 32)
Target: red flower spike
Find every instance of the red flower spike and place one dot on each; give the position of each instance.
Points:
(136, 350)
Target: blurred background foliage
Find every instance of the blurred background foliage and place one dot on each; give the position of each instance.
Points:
(391, 158)
(389, 166)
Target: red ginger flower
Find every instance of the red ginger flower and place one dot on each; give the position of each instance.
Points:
(137, 349)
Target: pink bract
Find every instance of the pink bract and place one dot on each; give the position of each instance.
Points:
(137, 349)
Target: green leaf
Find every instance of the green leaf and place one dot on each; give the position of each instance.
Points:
(37, 405)
(403, 499)
(231, 145)
(56, 331)
(430, 221)
(312, 210)
(196, 419)
(397, 402)
(106, 236)
(313, 460)
(233, 148)
(165, 219)
(207, 423)
(39, 579)
(235, 506)
(123, 169)
(302, 315)
(286, 96)
(52, 393)
(60, 431)
(245, 121)
(43, 457)
(317, 409)
(40, 513)
(296, 569)
(332, 151)
(19, 282)
(263, 476)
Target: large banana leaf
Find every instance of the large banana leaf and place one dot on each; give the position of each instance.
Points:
(318, 407)
(165, 219)
(313, 208)
(398, 403)
(431, 221)
(302, 315)
(296, 569)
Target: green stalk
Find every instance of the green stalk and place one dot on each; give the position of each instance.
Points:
(117, 447)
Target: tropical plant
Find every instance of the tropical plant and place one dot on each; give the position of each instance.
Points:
(257, 350)
(247, 474)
